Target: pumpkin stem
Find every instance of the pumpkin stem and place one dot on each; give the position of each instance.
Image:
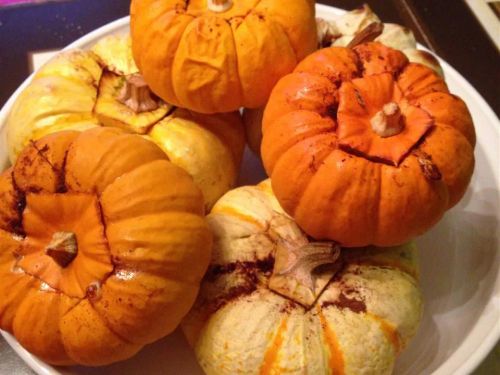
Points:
(388, 121)
(219, 6)
(296, 272)
(136, 95)
(62, 248)
(368, 34)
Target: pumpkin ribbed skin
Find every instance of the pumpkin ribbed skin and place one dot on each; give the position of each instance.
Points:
(348, 183)
(77, 90)
(362, 320)
(138, 223)
(211, 61)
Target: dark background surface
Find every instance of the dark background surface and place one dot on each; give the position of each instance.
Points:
(447, 27)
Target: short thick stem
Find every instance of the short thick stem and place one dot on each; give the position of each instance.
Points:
(63, 248)
(388, 121)
(297, 273)
(368, 34)
(219, 5)
(136, 95)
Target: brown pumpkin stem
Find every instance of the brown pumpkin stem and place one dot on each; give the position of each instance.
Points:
(368, 34)
(296, 273)
(136, 95)
(63, 248)
(388, 121)
(219, 6)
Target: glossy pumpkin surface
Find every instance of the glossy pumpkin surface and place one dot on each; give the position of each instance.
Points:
(102, 246)
(210, 59)
(367, 309)
(78, 90)
(363, 147)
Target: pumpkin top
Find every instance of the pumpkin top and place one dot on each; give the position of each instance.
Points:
(91, 225)
(369, 135)
(207, 55)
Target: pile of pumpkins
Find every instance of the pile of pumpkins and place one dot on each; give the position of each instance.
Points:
(119, 152)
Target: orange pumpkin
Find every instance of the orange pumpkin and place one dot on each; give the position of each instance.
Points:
(219, 55)
(364, 147)
(102, 246)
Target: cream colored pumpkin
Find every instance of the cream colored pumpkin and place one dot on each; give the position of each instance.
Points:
(79, 89)
(344, 28)
(353, 316)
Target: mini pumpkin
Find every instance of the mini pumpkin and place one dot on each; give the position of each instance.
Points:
(103, 244)
(354, 27)
(274, 302)
(364, 147)
(219, 55)
(78, 90)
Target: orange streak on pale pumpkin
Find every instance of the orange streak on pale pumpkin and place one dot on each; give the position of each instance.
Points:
(272, 352)
(234, 212)
(336, 360)
(389, 331)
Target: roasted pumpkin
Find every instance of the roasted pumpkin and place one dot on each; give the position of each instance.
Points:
(273, 302)
(103, 244)
(363, 147)
(219, 55)
(78, 90)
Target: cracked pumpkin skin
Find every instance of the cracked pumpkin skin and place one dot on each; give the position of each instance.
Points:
(79, 90)
(96, 231)
(217, 58)
(379, 146)
(242, 323)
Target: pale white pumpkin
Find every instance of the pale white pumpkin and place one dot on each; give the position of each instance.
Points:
(353, 316)
(344, 28)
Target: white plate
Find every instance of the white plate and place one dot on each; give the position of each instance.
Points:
(460, 262)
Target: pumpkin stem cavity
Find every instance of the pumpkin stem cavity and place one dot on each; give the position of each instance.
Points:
(219, 6)
(388, 121)
(300, 269)
(63, 248)
(136, 94)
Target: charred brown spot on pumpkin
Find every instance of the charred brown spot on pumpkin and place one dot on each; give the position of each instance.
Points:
(345, 301)
(368, 34)
(296, 273)
(429, 169)
(136, 94)
(63, 248)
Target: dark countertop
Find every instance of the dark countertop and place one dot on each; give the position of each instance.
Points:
(446, 27)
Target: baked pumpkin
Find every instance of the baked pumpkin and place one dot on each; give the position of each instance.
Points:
(273, 302)
(363, 147)
(103, 244)
(78, 90)
(219, 55)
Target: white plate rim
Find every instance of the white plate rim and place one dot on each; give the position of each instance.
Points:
(466, 367)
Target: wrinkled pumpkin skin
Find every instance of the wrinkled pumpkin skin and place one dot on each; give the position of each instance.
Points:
(77, 90)
(212, 62)
(142, 246)
(364, 318)
(348, 183)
